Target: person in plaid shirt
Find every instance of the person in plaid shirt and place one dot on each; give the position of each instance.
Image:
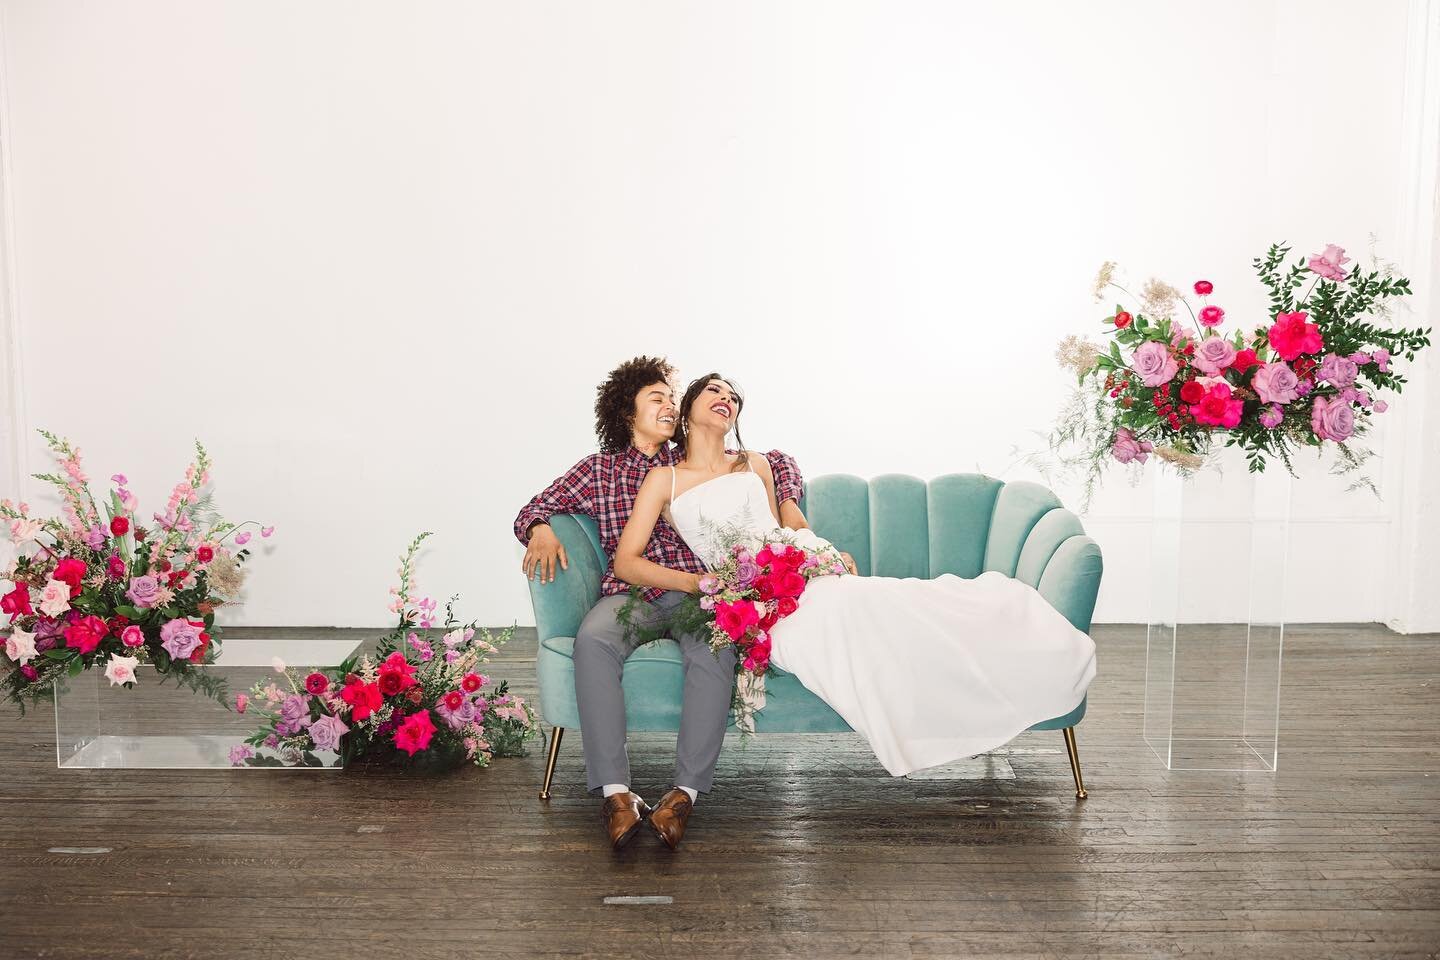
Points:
(635, 417)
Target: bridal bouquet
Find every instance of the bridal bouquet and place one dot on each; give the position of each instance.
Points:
(421, 697)
(94, 586)
(1308, 376)
(758, 585)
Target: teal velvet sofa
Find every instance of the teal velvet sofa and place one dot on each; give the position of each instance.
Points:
(894, 526)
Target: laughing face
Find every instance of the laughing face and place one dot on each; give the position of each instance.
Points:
(716, 406)
(655, 414)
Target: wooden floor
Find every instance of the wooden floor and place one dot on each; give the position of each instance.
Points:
(806, 847)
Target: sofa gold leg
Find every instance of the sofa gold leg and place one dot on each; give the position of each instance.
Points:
(555, 734)
(1071, 749)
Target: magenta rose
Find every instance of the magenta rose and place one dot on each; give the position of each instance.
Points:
(1332, 420)
(1275, 383)
(1127, 448)
(1218, 408)
(1213, 355)
(132, 636)
(1339, 371)
(1292, 334)
(1153, 363)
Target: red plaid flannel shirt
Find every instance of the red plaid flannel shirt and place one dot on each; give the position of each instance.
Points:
(604, 486)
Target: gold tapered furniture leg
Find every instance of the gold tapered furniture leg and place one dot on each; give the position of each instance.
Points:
(555, 734)
(1071, 749)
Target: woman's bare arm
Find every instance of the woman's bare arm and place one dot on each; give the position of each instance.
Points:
(630, 562)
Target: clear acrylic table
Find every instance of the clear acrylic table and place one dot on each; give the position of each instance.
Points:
(1216, 632)
(159, 724)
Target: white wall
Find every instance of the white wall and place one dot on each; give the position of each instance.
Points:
(377, 257)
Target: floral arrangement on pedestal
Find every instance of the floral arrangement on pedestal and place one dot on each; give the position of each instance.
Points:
(1309, 376)
(740, 601)
(96, 587)
(419, 699)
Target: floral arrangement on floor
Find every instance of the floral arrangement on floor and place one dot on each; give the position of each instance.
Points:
(419, 699)
(740, 601)
(1309, 376)
(95, 586)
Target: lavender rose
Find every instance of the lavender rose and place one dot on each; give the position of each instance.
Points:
(179, 637)
(295, 711)
(1332, 420)
(326, 733)
(1152, 361)
(746, 572)
(1338, 370)
(1276, 383)
(1213, 355)
(144, 591)
(1271, 416)
(454, 719)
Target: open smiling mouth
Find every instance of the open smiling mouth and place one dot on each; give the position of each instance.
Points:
(721, 409)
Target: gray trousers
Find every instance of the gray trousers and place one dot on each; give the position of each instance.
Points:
(600, 653)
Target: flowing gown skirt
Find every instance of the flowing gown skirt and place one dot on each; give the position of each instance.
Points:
(930, 671)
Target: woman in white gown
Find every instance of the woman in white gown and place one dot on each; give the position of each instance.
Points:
(929, 671)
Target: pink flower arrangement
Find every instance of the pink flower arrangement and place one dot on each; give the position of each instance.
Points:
(97, 586)
(1305, 376)
(402, 704)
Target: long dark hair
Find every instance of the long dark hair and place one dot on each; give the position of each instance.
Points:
(692, 393)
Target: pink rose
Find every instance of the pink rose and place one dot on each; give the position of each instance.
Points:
(1329, 264)
(1381, 356)
(1154, 364)
(132, 636)
(1381, 406)
(1127, 448)
(1275, 383)
(1271, 416)
(1213, 355)
(1332, 420)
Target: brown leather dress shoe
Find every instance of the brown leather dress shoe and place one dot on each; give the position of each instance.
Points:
(670, 815)
(623, 814)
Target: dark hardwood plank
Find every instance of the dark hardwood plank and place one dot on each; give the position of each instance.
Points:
(806, 847)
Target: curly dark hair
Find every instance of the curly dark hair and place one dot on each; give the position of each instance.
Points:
(615, 399)
(692, 393)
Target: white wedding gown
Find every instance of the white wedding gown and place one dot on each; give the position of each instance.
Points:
(929, 671)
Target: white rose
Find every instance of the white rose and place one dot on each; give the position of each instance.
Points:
(54, 598)
(121, 669)
(20, 646)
